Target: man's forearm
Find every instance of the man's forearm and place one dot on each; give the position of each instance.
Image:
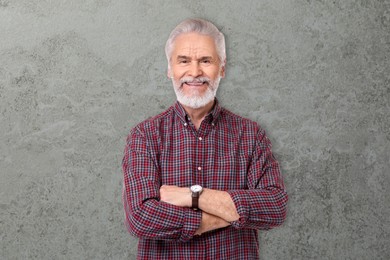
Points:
(215, 202)
(210, 222)
(218, 203)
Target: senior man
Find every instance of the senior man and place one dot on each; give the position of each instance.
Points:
(199, 181)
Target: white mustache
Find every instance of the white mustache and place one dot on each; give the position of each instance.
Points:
(195, 80)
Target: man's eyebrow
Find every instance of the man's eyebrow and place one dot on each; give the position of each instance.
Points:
(206, 58)
(188, 58)
(183, 57)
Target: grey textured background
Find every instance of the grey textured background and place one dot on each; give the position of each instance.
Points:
(75, 76)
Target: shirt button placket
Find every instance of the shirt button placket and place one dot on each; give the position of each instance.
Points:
(199, 160)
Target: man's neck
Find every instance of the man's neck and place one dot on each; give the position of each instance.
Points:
(198, 114)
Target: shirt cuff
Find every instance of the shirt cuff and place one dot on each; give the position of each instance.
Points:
(242, 204)
(192, 222)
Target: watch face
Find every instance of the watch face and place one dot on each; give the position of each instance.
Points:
(196, 188)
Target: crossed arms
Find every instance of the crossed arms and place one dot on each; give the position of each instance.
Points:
(218, 209)
(157, 211)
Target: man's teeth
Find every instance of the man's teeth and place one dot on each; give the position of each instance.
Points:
(195, 83)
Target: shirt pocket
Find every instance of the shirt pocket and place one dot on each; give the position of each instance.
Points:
(227, 172)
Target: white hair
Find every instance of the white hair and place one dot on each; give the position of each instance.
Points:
(197, 26)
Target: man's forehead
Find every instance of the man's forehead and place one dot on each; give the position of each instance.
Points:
(194, 44)
(189, 52)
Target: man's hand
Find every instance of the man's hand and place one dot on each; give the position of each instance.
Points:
(178, 196)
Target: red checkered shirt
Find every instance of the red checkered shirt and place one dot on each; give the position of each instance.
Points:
(227, 153)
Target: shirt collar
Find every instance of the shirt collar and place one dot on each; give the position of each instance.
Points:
(211, 118)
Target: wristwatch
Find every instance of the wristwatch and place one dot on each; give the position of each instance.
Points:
(196, 190)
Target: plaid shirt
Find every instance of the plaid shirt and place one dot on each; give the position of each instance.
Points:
(227, 153)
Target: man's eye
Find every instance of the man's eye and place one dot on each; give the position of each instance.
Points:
(183, 61)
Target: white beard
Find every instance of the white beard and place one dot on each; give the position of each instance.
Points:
(195, 100)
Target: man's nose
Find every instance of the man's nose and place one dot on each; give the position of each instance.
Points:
(195, 70)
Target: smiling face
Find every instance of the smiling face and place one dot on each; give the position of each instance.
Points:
(195, 69)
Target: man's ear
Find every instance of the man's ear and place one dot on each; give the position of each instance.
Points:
(169, 73)
(222, 74)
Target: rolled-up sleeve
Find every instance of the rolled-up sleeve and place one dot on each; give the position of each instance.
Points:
(264, 204)
(145, 215)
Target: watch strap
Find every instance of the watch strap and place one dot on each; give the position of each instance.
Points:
(195, 202)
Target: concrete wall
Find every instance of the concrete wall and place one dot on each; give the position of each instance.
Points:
(75, 76)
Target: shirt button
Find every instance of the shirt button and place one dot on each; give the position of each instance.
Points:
(185, 124)
(200, 138)
(199, 168)
(212, 124)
